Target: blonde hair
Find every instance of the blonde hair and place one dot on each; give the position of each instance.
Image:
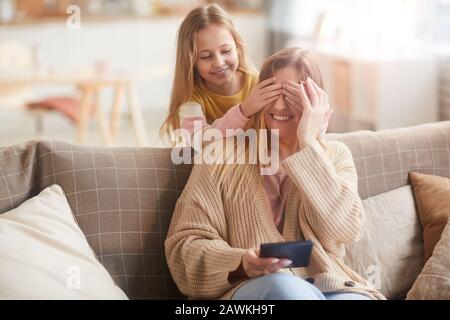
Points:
(186, 76)
(307, 66)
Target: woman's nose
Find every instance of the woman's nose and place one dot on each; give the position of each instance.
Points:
(280, 103)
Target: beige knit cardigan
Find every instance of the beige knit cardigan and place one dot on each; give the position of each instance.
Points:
(212, 227)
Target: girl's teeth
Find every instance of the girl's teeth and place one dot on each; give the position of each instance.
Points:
(222, 71)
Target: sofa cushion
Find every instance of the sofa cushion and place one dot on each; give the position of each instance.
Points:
(122, 198)
(44, 254)
(390, 252)
(433, 282)
(128, 238)
(383, 159)
(432, 194)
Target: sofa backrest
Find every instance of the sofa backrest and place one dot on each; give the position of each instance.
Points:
(390, 251)
(123, 198)
(383, 159)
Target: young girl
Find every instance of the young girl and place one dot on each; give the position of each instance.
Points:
(215, 83)
(224, 213)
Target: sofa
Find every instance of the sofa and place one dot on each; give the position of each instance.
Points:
(123, 198)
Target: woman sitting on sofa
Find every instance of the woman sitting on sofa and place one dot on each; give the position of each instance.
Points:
(227, 211)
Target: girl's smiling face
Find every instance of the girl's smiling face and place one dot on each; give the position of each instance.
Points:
(217, 58)
(280, 115)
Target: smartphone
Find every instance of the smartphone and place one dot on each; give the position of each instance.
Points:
(298, 252)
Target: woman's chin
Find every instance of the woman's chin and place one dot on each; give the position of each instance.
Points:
(284, 129)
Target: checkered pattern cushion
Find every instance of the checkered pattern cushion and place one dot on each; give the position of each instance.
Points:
(383, 159)
(123, 197)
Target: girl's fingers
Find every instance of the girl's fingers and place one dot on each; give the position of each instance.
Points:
(293, 96)
(294, 88)
(293, 84)
(291, 88)
(266, 82)
(294, 104)
(271, 94)
(268, 101)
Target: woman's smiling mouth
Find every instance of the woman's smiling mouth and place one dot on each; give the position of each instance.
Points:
(282, 117)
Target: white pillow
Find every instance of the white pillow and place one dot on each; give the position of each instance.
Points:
(390, 252)
(44, 254)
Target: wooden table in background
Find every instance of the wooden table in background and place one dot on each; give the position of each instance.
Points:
(90, 87)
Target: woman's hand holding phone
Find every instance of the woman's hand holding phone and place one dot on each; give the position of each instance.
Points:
(255, 266)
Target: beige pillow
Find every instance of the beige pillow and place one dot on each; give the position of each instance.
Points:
(433, 282)
(432, 194)
(390, 252)
(44, 254)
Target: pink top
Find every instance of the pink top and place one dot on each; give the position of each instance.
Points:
(233, 119)
(277, 189)
(276, 186)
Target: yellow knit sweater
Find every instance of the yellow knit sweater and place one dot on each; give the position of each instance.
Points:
(211, 228)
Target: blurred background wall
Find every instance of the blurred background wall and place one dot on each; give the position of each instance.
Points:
(386, 64)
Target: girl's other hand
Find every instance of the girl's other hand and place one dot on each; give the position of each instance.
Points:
(293, 96)
(264, 93)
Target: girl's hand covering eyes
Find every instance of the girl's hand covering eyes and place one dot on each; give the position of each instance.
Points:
(262, 95)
